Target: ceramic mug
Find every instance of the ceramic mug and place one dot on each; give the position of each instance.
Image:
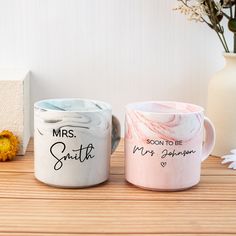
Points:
(164, 144)
(72, 141)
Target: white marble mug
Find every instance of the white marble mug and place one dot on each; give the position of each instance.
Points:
(73, 141)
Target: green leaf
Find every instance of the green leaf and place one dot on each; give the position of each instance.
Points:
(232, 25)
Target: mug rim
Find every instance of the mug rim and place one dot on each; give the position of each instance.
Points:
(131, 106)
(107, 106)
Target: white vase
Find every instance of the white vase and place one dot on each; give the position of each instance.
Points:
(221, 107)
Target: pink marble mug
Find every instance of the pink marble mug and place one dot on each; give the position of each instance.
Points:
(165, 144)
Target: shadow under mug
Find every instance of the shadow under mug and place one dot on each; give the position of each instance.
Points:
(73, 141)
(164, 144)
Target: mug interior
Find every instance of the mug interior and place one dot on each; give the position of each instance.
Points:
(72, 104)
(165, 107)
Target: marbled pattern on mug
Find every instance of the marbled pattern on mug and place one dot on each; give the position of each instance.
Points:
(96, 123)
(172, 160)
(166, 126)
(91, 125)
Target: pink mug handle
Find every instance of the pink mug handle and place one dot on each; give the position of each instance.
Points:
(209, 139)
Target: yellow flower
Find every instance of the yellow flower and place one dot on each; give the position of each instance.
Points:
(9, 145)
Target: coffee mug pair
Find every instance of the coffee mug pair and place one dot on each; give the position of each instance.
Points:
(164, 143)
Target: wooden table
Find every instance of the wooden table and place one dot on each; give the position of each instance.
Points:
(28, 207)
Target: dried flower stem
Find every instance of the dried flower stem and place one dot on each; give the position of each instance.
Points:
(222, 40)
(231, 11)
(217, 26)
(185, 4)
(214, 22)
(234, 43)
(235, 11)
(223, 36)
(226, 15)
(212, 12)
(234, 33)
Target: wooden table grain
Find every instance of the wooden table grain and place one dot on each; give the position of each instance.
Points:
(28, 207)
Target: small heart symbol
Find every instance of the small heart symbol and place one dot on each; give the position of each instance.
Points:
(163, 164)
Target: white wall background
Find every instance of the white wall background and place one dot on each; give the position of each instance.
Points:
(118, 51)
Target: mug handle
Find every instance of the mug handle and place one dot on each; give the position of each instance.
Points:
(115, 135)
(209, 139)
